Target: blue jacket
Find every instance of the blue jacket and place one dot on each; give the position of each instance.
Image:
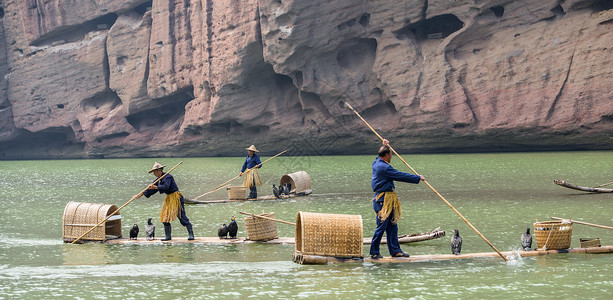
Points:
(166, 185)
(383, 176)
(250, 162)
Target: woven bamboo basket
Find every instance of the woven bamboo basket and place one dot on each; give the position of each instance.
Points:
(79, 217)
(237, 192)
(553, 235)
(329, 235)
(259, 229)
(300, 182)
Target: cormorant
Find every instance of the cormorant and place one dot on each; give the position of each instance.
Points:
(526, 240)
(275, 191)
(232, 228)
(150, 230)
(456, 242)
(134, 231)
(222, 232)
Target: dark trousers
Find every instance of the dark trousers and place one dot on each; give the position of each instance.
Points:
(253, 191)
(181, 215)
(389, 228)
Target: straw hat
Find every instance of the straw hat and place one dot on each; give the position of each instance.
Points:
(252, 148)
(156, 166)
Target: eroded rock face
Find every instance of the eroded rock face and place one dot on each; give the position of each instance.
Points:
(113, 78)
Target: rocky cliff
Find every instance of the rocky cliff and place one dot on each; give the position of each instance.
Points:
(125, 78)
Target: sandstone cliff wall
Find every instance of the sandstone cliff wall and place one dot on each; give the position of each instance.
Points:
(110, 78)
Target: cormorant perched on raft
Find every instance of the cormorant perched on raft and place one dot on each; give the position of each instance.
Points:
(275, 191)
(134, 231)
(526, 240)
(232, 228)
(150, 230)
(222, 232)
(456, 242)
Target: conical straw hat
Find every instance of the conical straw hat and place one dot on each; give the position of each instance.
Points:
(156, 166)
(252, 148)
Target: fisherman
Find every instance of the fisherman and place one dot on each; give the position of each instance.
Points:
(386, 203)
(252, 178)
(173, 202)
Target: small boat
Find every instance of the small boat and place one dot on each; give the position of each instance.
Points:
(323, 260)
(582, 188)
(403, 239)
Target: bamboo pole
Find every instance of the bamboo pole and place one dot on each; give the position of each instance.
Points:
(583, 223)
(604, 184)
(237, 176)
(267, 218)
(133, 198)
(430, 186)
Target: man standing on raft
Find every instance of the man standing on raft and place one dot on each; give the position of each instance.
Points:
(252, 178)
(386, 203)
(173, 202)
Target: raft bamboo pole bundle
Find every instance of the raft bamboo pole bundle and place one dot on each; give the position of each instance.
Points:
(237, 176)
(582, 188)
(583, 223)
(321, 260)
(267, 218)
(133, 198)
(430, 186)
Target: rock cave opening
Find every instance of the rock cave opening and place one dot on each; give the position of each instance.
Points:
(163, 111)
(75, 33)
(436, 27)
(143, 8)
(601, 5)
(357, 54)
(498, 11)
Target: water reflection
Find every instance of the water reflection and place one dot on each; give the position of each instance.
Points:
(86, 254)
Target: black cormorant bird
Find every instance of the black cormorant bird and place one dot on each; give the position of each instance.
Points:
(275, 191)
(150, 230)
(287, 189)
(222, 232)
(134, 231)
(526, 240)
(456, 242)
(232, 228)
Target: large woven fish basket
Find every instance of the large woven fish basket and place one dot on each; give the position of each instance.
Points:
(237, 192)
(329, 235)
(259, 229)
(553, 235)
(79, 217)
(300, 182)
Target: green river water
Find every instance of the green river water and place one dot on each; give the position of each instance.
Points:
(500, 194)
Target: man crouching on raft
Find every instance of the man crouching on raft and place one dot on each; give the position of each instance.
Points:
(173, 202)
(386, 203)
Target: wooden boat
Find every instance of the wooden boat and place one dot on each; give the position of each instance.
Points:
(582, 188)
(403, 239)
(322, 260)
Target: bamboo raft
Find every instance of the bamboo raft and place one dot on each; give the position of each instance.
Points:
(269, 197)
(403, 239)
(582, 188)
(322, 260)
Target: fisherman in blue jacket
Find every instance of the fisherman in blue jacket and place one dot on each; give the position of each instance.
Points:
(252, 177)
(173, 202)
(386, 203)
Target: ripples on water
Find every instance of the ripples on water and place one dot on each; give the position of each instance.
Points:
(500, 194)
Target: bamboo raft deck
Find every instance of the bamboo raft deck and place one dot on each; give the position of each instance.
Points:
(582, 188)
(269, 197)
(322, 260)
(403, 239)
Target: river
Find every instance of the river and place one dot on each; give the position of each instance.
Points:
(500, 193)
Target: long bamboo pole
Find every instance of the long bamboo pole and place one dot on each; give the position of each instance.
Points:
(237, 176)
(430, 186)
(133, 198)
(584, 223)
(267, 218)
(604, 184)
